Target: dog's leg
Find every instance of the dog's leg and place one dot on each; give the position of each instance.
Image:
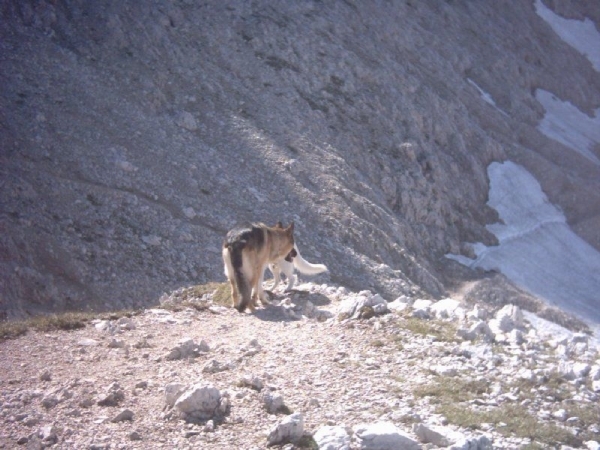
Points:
(235, 298)
(230, 274)
(244, 284)
(261, 292)
(276, 271)
(254, 279)
(288, 269)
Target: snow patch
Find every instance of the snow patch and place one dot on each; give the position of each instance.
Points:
(537, 249)
(579, 34)
(485, 96)
(566, 124)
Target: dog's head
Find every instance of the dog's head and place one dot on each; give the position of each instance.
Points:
(289, 229)
(288, 233)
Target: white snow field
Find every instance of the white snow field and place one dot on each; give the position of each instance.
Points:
(537, 249)
(579, 34)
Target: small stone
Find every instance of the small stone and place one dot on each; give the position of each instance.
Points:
(187, 121)
(48, 435)
(187, 348)
(49, 402)
(592, 445)
(116, 343)
(478, 443)
(126, 414)
(31, 421)
(214, 366)
(172, 392)
(273, 402)
(152, 240)
(560, 415)
(45, 376)
(135, 436)
(87, 402)
(112, 398)
(252, 382)
(439, 436)
(189, 212)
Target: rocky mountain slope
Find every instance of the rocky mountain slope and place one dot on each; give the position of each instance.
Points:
(134, 136)
(321, 367)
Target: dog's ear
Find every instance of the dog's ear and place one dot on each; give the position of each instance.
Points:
(291, 227)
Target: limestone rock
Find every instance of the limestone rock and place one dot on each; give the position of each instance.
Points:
(507, 319)
(332, 438)
(362, 306)
(252, 382)
(172, 392)
(187, 348)
(124, 415)
(447, 308)
(290, 429)
(439, 436)
(383, 436)
(200, 401)
(473, 443)
(273, 402)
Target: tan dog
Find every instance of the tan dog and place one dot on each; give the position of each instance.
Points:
(246, 253)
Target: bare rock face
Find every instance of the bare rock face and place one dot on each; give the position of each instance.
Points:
(132, 139)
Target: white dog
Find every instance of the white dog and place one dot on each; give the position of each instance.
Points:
(292, 261)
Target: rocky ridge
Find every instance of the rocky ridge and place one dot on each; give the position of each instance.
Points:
(321, 367)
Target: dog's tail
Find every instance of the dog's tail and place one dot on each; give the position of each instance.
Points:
(305, 267)
(243, 285)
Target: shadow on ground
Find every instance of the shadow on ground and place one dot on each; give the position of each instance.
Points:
(282, 303)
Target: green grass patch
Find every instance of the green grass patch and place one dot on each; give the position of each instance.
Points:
(452, 395)
(588, 415)
(442, 331)
(198, 297)
(377, 343)
(554, 385)
(306, 442)
(452, 389)
(70, 320)
(510, 420)
(12, 329)
(53, 322)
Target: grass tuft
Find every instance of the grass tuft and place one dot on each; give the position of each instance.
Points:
(453, 396)
(198, 297)
(442, 331)
(510, 420)
(306, 442)
(12, 329)
(66, 321)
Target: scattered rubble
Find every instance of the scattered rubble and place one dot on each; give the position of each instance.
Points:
(350, 381)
